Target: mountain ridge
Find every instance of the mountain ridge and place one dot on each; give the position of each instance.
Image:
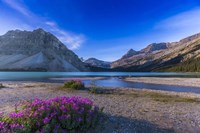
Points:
(39, 50)
(36, 50)
(97, 63)
(163, 58)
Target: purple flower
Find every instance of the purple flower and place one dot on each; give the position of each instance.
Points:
(79, 119)
(16, 115)
(56, 126)
(90, 112)
(38, 124)
(60, 109)
(1, 125)
(46, 120)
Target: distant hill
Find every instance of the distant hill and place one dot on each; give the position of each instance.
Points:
(36, 51)
(97, 63)
(176, 56)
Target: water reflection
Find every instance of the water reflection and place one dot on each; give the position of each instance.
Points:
(115, 82)
(111, 79)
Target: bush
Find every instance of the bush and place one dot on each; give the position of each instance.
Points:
(94, 91)
(93, 87)
(1, 85)
(61, 114)
(74, 84)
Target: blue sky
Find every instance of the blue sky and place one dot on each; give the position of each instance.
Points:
(104, 29)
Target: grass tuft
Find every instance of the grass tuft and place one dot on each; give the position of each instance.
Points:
(1, 86)
(164, 97)
(74, 85)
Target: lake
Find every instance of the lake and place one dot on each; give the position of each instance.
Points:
(48, 75)
(112, 79)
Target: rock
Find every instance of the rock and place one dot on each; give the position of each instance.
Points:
(36, 51)
(130, 53)
(172, 56)
(98, 63)
(153, 47)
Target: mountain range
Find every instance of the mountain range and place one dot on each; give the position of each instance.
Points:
(175, 56)
(39, 50)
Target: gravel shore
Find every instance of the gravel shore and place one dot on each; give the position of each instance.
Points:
(194, 82)
(126, 110)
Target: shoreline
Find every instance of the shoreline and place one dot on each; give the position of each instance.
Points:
(187, 82)
(190, 82)
(127, 109)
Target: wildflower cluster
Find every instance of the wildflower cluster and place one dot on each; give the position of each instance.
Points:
(60, 114)
(74, 84)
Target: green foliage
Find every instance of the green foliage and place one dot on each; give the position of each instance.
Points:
(192, 65)
(74, 84)
(94, 91)
(1, 85)
(93, 87)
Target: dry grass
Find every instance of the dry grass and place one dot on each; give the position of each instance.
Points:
(100, 90)
(163, 97)
(1, 86)
(29, 86)
(160, 97)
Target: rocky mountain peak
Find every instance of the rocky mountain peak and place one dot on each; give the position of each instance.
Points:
(98, 63)
(37, 49)
(154, 46)
(40, 31)
(190, 38)
(92, 59)
(130, 53)
(13, 32)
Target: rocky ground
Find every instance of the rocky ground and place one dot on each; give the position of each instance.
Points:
(126, 110)
(195, 82)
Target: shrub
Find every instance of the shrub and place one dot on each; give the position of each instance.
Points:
(1, 85)
(74, 84)
(61, 114)
(93, 87)
(94, 91)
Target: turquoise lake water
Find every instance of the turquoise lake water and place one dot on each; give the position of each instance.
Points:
(48, 75)
(112, 79)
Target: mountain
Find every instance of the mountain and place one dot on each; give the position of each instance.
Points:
(36, 51)
(130, 53)
(154, 47)
(97, 63)
(39, 50)
(133, 58)
(175, 56)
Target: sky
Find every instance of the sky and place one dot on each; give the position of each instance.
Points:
(104, 29)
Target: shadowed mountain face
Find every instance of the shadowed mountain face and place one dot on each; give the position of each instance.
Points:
(176, 56)
(97, 63)
(36, 51)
